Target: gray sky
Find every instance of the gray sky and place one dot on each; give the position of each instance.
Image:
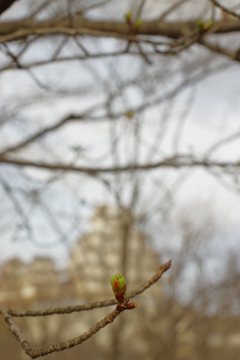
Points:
(215, 114)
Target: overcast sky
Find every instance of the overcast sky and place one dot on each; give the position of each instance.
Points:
(215, 114)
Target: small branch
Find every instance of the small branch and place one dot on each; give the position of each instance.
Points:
(171, 162)
(23, 33)
(140, 289)
(233, 55)
(96, 305)
(144, 56)
(223, 142)
(16, 30)
(125, 305)
(63, 310)
(94, 6)
(172, 8)
(39, 9)
(228, 11)
(18, 207)
(13, 327)
(31, 74)
(50, 129)
(140, 9)
(177, 90)
(87, 57)
(16, 331)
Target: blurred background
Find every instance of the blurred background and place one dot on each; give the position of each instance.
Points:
(119, 151)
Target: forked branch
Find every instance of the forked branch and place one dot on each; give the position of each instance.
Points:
(8, 315)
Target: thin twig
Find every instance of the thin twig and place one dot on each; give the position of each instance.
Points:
(172, 8)
(140, 9)
(13, 327)
(51, 128)
(158, 100)
(95, 305)
(223, 142)
(93, 6)
(178, 161)
(16, 331)
(228, 11)
(233, 55)
(39, 9)
(63, 310)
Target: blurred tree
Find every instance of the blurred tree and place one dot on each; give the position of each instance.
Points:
(95, 102)
(97, 105)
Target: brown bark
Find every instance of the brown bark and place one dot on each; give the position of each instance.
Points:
(155, 27)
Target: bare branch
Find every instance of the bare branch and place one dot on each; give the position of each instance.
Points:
(23, 33)
(172, 8)
(140, 9)
(223, 142)
(171, 94)
(13, 327)
(95, 305)
(140, 289)
(64, 310)
(50, 129)
(39, 9)
(178, 161)
(94, 6)
(182, 120)
(99, 55)
(63, 345)
(16, 331)
(18, 207)
(227, 10)
(21, 29)
(233, 55)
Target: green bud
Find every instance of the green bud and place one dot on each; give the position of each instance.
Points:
(209, 24)
(129, 114)
(232, 17)
(118, 284)
(200, 24)
(138, 23)
(128, 16)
